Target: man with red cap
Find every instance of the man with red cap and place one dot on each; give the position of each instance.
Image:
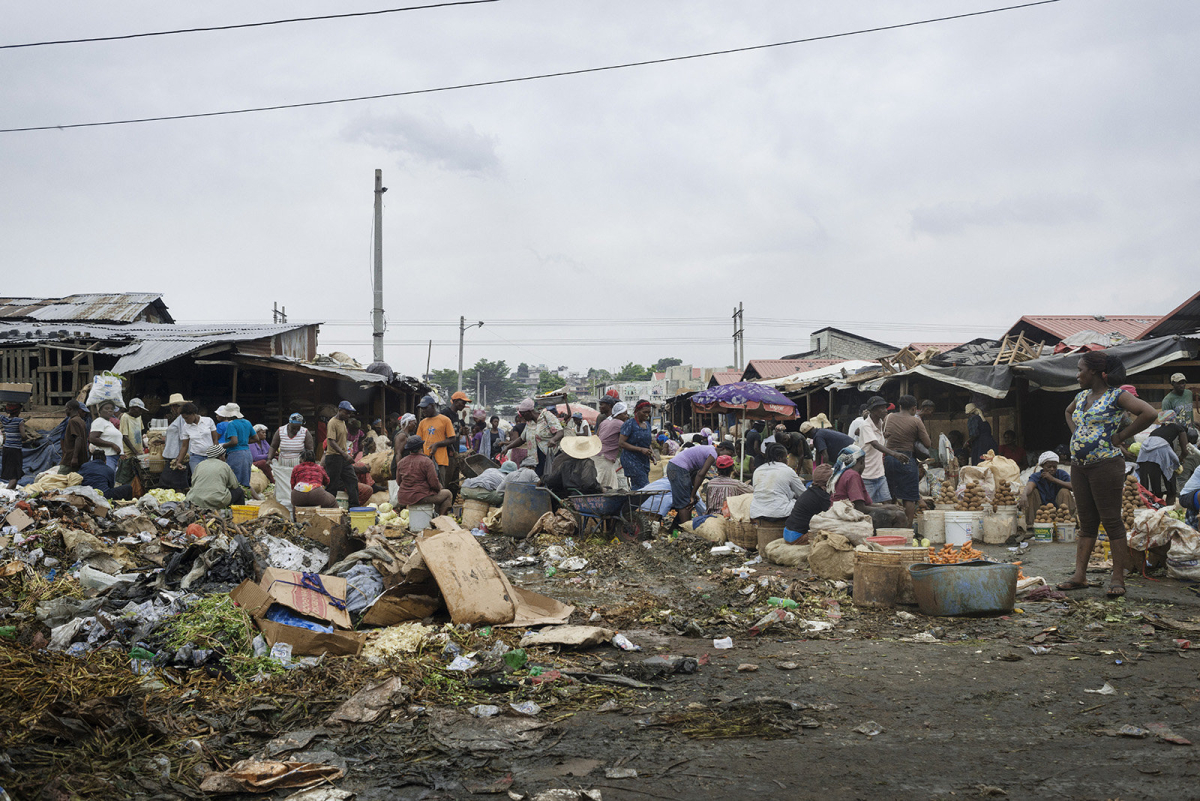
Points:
(724, 485)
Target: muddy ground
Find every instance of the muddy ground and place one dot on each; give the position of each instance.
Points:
(963, 707)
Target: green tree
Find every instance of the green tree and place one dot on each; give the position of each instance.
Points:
(632, 372)
(522, 370)
(663, 364)
(492, 376)
(548, 382)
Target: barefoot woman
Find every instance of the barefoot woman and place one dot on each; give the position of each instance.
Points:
(1098, 434)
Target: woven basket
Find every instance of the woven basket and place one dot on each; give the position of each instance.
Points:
(767, 532)
(743, 534)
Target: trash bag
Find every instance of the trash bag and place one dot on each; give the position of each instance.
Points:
(842, 518)
(780, 552)
(560, 524)
(831, 556)
(106, 387)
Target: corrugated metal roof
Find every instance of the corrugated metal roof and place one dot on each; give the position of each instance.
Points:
(833, 370)
(156, 343)
(778, 368)
(723, 377)
(124, 307)
(1064, 325)
(1183, 319)
(921, 347)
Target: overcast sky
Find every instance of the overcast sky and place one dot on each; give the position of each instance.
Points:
(931, 184)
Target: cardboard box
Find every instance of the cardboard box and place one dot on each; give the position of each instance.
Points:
(284, 587)
(402, 603)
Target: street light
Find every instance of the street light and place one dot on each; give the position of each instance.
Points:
(462, 330)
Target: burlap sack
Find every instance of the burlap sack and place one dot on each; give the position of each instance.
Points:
(739, 507)
(842, 518)
(831, 556)
(258, 480)
(712, 529)
(779, 552)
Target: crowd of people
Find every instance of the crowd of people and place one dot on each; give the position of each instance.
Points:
(793, 471)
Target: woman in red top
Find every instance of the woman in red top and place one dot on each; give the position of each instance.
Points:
(309, 480)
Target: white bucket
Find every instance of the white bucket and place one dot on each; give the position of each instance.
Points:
(960, 527)
(419, 517)
(931, 525)
(999, 528)
(1064, 532)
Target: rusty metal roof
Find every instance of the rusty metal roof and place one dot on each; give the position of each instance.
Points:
(778, 368)
(124, 307)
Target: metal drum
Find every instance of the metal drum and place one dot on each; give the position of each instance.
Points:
(523, 505)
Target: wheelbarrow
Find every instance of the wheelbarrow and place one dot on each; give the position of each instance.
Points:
(612, 514)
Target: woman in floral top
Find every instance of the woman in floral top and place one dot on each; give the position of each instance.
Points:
(1098, 434)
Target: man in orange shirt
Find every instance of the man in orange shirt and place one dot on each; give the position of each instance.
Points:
(440, 441)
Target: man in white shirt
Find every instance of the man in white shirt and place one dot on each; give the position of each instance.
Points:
(855, 429)
(874, 449)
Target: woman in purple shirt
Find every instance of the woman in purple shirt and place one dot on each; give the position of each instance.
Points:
(686, 473)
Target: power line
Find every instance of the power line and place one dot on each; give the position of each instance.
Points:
(503, 81)
(243, 25)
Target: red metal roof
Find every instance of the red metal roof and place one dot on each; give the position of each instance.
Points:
(778, 368)
(920, 347)
(1065, 325)
(1183, 319)
(723, 377)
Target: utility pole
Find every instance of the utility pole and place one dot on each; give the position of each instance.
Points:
(462, 331)
(278, 314)
(739, 344)
(741, 338)
(428, 359)
(377, 283)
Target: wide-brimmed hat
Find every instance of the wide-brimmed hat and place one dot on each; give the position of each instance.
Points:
(176, 399)
(580, 447)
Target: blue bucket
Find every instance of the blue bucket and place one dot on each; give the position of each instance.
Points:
(969, 588)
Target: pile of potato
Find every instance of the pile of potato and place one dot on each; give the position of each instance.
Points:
(1131, 499)
(973, 498)
(1003, 496)
(1050, 513)
(948, 494)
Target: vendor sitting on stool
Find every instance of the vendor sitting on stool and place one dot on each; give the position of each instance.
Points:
(214, 485)
(814, 501)
(418, 478)
(1052, 484)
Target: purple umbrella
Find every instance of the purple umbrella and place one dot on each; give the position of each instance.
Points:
(753, 400)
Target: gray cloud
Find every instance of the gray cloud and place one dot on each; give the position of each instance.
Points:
(953, 217)
(429, 140)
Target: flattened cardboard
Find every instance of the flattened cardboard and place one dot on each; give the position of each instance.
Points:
(18, 520)
(538, 610)
(474, 588)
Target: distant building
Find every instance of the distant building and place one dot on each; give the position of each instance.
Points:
(834, 343)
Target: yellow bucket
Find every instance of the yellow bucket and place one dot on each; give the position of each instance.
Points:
(242, 514)
(362, 518)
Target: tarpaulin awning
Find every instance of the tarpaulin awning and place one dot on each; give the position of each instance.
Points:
(1051, 373)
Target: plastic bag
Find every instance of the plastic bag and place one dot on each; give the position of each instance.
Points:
(106, 387)
(283, 484)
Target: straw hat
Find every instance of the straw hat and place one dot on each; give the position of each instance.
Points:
(580, 447)
(176, 398)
